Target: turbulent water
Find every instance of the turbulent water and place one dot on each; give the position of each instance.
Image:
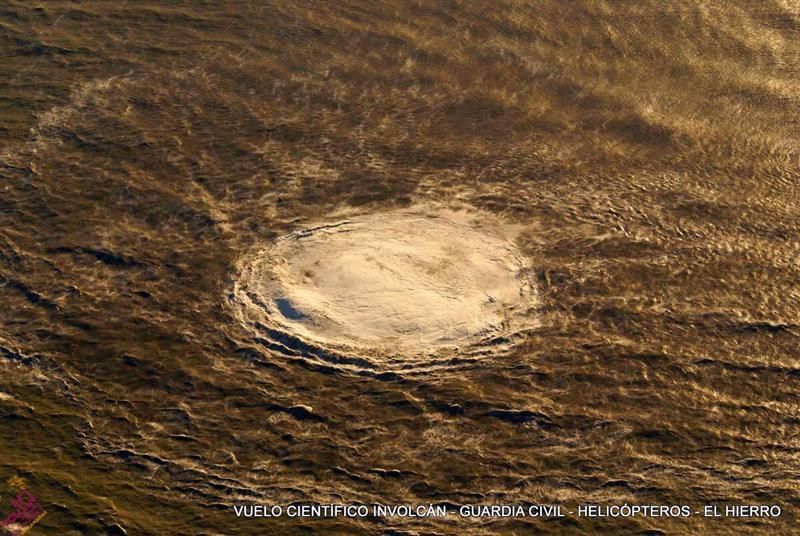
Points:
(648, 153)
(405, 290)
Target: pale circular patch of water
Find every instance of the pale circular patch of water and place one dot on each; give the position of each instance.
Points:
(401, 283)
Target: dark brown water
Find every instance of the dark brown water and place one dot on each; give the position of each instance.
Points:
(650, 150)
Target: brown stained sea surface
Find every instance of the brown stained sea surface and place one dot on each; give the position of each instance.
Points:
(650, 152)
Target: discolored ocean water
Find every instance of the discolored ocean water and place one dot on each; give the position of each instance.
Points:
(648, 154)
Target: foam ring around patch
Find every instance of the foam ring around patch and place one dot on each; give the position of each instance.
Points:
(389, 287)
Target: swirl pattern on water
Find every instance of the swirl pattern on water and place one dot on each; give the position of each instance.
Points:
(393, 288)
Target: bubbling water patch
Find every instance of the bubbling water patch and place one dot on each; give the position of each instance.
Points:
(398, 289)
